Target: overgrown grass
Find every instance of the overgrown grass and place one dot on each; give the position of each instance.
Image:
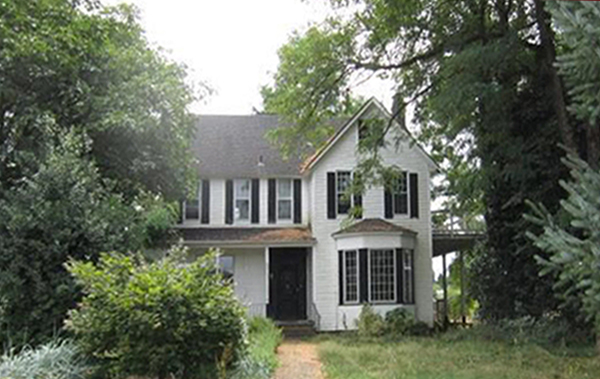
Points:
(55, 360)
(480, 353)
(261, 359)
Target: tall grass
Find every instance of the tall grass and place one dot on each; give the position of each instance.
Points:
(261, 359)
(55, 360)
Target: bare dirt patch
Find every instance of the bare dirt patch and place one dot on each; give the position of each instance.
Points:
(299, 360)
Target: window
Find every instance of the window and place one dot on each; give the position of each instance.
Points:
(401, 195)
(350, 276)
(242, 199)
(191, 206)
(382, 276)
(344, 179)
(225, 264)
(408, 277)
(284, 199)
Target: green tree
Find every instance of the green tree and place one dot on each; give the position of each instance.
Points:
(571, 237)
(71, 64)
(94, 137)
(486, 94)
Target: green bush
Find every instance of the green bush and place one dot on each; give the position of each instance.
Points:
(157, 319)
(260, 359)
(398, 322)
(370, 323)
(54, 360)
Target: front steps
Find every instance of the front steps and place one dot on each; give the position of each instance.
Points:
(297, 329)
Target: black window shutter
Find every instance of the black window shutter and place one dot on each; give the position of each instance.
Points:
(272, 203)
(414, 195)
(364, 275)
(229, 202)
(255, 193)
(358, 201)
(341, 275)
(399, 272)
(297, 201)
(181, 210)
(412, 271)
(331, 195)
(387, 204)
(205, 202)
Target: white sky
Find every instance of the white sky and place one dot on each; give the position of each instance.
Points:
(232, 44)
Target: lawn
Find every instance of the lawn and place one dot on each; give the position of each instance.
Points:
(453, 356)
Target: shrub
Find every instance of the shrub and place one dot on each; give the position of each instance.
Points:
(370, 323)
(157, 319)
(54, 360)
(398, 322)
(261, 359)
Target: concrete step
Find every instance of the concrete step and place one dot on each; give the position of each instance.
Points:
(297, 329)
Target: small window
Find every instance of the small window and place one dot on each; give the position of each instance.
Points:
(225, 263)
(344, 178)
(191, 206)
(242, 199)
(382, 276)
(408, 277)
(363, 130)
(284, 199)
(351, 276)
(401, 195)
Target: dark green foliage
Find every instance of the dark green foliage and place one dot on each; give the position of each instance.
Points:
(369, 323)
(64, 210)
(396, 323)
(157, 319)
(70, 64)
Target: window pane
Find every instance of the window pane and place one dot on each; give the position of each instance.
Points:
(401, 195)
(192, 210)
(242, 188)
(343, 182)
(285, 188)
(351, 275)
(382, 270)
(242, 209)
(284, 209)
(408, 282)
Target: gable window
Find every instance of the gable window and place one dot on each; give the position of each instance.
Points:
(382, 275)
(408, 276)
(350, 267)
(284, 199)
(242, 199)
(191, 205)
(401, 195)
(344, 178)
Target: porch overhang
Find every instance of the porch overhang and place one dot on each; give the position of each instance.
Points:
(374, 233)
(445, 242)
(247, 237)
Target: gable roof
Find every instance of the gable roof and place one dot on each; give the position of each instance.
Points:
(372, 102)
(236, 147)
(374, 225)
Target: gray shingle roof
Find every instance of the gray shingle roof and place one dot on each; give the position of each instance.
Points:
(232, 146)
(370, 225)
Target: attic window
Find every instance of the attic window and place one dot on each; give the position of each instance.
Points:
(363, 130)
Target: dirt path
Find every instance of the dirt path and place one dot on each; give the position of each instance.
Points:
(298, 360)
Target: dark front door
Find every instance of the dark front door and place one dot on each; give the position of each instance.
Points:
(287, 284)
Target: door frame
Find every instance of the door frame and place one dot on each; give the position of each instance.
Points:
(288, 256)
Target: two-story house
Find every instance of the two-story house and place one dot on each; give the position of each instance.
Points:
(280, 224)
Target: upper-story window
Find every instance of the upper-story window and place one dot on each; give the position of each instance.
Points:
(242, 199)
(343, 181)
(284, 199)
(191, 205)
(401, 195)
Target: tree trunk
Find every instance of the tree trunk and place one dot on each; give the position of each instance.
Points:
(549, 56)
(592, 145)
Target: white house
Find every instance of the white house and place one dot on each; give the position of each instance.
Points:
(283, 225)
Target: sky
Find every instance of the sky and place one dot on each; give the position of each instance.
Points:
(231, 45)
